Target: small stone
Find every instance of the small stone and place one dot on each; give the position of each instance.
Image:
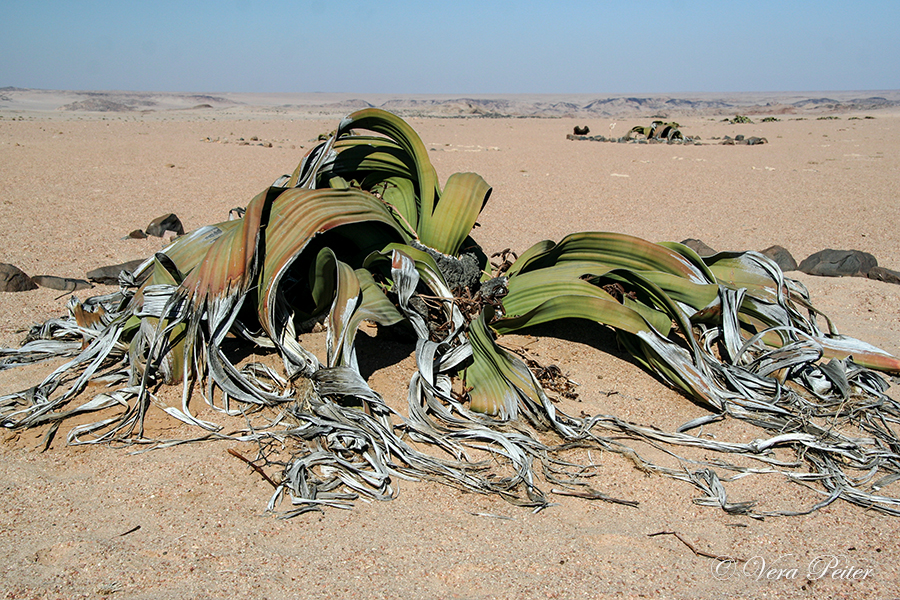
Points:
(839, 263)
(882, 274)
(65, 284)
(110, 273)
(160, 225)
(13, 279)
(698, 246)
(782, 257)
(137, 234)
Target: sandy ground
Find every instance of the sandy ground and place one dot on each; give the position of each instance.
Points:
(189, 521)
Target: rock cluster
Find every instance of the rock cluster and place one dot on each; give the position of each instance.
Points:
(824, 263)
(740, 140)
(628, 140)
(13, 279)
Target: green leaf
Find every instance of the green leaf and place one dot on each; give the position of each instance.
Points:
(559, 292)
(608, 312)
(749, 270)
(425, 263)
(498, 380)
(383, 122)
(461, 202)
(615, 250)
(297, 218)
(352, 297)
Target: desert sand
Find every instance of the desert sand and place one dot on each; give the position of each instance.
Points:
(190, 520)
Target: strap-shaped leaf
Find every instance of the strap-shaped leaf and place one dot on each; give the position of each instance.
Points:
(337, 281)
(570, 306)
(351, 296)
(380, 166)
(424, 264)
(229, 265)
(559, 292)
(500, 381)
(385, 123)
(298, 217)
(462, 200)
(617, 250)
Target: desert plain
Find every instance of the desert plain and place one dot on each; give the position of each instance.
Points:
(189, 521)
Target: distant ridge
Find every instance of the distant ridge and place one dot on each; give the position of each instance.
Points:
(524, 105)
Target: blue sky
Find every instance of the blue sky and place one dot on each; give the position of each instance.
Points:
(451, 47)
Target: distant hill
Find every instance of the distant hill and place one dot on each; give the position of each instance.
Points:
(14, 99)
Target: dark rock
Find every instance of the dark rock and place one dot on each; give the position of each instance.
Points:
(65, 284)
(137, 234)
(13, 279)
(582, 130)
(882, 274)
(698, 247)
(755, 141)
(839, 263)
(160, 225)
(782, 257)
(110, 274)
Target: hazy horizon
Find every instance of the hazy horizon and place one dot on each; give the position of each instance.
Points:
(4, 86)
(402, 47)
